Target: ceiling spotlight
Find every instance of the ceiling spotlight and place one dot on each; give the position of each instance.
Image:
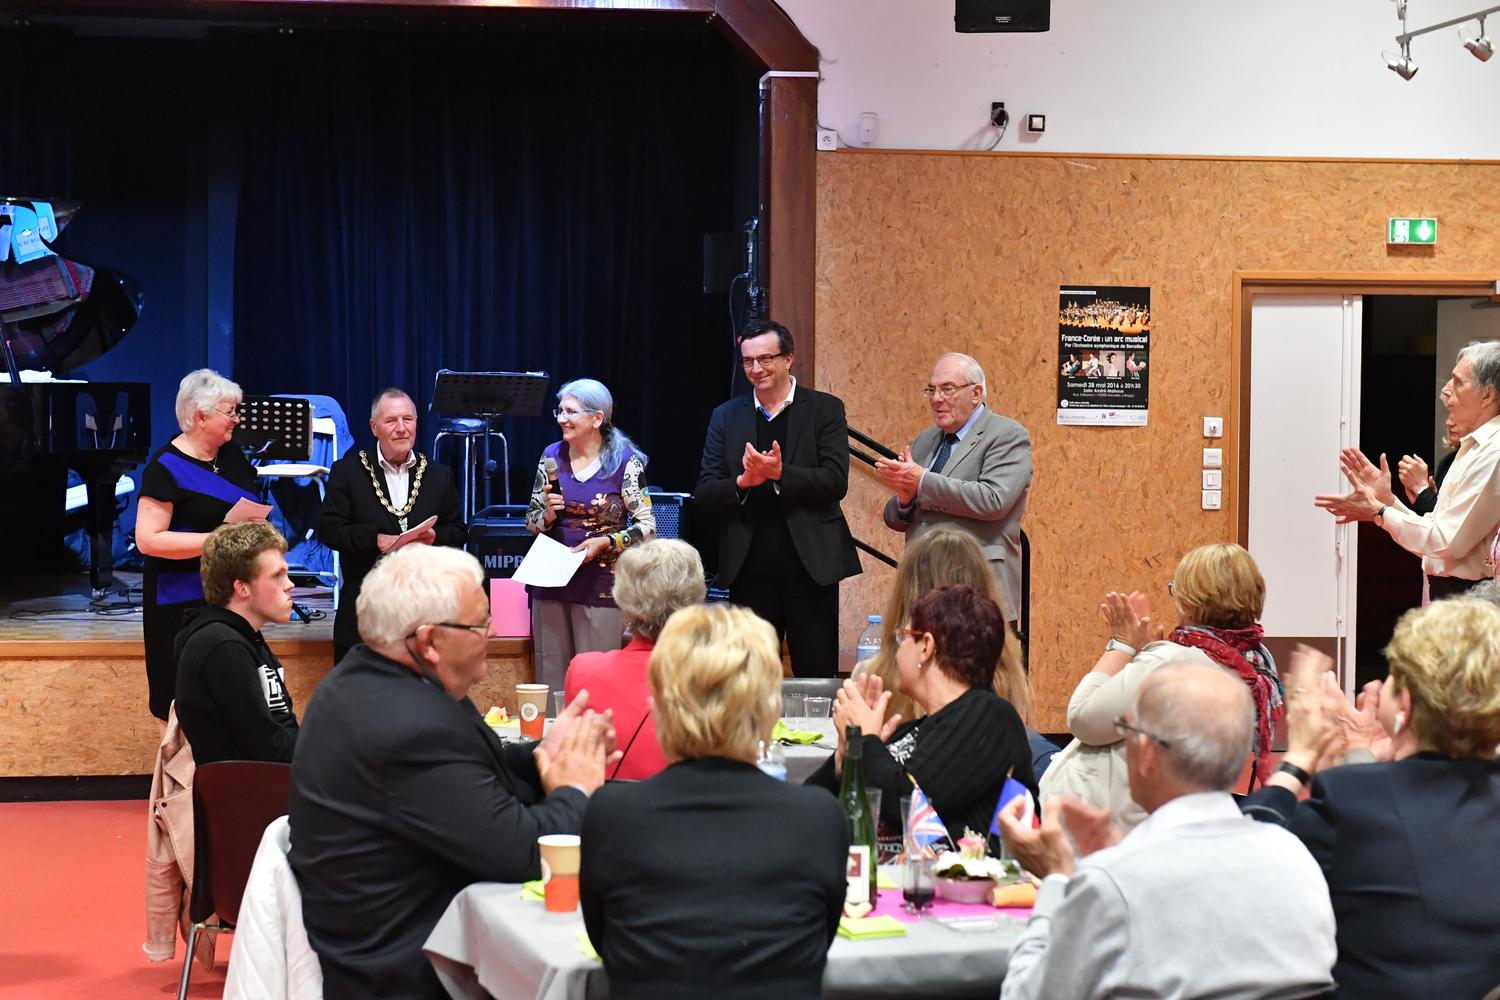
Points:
(1480, 48)
(1403, 67)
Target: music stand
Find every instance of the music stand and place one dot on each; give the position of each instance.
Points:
(489, 395)
(275, 427)
(278, 428)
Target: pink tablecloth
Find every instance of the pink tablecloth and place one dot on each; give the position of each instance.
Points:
(890, 903)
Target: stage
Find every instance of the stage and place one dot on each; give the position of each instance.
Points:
(73, 681)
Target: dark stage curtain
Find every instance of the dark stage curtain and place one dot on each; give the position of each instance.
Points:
(410, 203)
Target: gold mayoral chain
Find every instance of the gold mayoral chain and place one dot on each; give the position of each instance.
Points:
(411, 498)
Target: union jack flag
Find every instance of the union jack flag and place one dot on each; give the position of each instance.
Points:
(924, 828)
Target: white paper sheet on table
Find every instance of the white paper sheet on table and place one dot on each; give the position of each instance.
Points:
(548, 563)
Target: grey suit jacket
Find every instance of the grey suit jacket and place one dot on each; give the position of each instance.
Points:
(982, 489)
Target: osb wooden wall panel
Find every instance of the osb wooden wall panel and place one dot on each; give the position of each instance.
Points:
(924, 253)
(80, 708)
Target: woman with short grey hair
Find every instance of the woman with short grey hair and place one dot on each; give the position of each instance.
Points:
(651, 582)
(187, 490)
(590, 495)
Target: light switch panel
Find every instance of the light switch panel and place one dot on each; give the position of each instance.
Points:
(1211, 499)
(1213, 479)
(1213, 458)
(1213, 427)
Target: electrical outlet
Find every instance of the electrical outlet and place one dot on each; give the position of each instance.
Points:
(999, 117)
(1213, 427)
(828, 139)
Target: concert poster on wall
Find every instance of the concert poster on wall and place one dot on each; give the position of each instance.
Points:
(1103, 350)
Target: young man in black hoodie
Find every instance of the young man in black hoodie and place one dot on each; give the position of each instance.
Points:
(232, 699)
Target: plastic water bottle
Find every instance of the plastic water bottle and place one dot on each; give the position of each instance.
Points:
(866, 646)
(772, 760)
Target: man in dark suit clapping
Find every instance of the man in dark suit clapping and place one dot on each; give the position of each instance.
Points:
(775, 466)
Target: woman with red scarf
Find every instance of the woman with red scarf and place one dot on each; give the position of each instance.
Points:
(1219, 595)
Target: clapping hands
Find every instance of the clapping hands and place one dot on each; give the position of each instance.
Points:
(760, 466)
(1129, 618)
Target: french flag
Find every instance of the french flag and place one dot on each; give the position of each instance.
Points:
(1013, 789)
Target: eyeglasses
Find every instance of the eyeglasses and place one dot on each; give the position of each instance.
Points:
(561, 412)
(945, 391)
(1123, 727)
(764, 360)
(233, 413)
(482, 629)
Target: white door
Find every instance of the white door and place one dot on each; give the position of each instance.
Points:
(1304, 408)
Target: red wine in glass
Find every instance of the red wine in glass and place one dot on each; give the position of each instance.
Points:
(918, 897)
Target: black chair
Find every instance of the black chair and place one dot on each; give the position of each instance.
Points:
(233, 803)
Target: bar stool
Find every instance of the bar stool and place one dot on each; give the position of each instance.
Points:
(471, 434)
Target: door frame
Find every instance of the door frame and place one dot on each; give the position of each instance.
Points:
(1248, 284)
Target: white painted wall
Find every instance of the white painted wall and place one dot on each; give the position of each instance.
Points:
(1226, 77)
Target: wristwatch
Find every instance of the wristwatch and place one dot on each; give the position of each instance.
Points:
(1115, 644)
(1380, 514)
(1287, 767)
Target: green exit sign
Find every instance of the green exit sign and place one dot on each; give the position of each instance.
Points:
(1411, 231)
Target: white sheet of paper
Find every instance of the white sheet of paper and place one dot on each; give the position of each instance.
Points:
(247, 510)
(414, 531)
(548, 563)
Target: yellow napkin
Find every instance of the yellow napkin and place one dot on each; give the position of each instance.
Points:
(586, 946)
(1020, 894)
(513, 723)
(783, 733)
(869, 928)
(885, 880)
(533, 891)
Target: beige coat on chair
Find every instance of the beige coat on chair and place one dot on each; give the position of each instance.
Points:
(169, 849)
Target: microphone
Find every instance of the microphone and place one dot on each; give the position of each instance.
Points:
(549, 465)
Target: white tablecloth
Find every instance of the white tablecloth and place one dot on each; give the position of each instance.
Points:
(490, 942)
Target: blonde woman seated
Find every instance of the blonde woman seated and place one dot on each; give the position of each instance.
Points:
(652, 581)
(943, 557)
(1218, 593)
(712, 878)
(1407, 843)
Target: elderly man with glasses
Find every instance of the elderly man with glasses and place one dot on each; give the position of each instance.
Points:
(971, 469)
(775, 466)
(1193, 902)
(401, 795)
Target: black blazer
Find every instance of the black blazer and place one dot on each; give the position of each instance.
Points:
(713, 879)
(401, 797)
(814, 478)
(1408, 849)
(352, 516)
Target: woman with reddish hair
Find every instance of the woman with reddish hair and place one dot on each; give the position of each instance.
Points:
(968, 741)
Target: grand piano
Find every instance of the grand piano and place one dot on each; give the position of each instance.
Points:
(57, 315)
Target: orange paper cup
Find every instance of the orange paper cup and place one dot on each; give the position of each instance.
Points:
(560, 860)
(532, 701)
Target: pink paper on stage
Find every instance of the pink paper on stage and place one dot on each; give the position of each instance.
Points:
(509, 613)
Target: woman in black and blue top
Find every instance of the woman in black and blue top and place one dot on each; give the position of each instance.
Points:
(187, 489)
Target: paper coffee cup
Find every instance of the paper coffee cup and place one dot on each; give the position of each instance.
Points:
(532, 701)
(560, 859)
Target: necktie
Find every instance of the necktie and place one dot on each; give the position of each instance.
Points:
(944, 450)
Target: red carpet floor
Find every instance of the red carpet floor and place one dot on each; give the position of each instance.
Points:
(72, 911)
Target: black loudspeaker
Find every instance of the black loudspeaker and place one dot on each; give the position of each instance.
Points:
(499, 540)
(671, 511)
(1002, 15)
